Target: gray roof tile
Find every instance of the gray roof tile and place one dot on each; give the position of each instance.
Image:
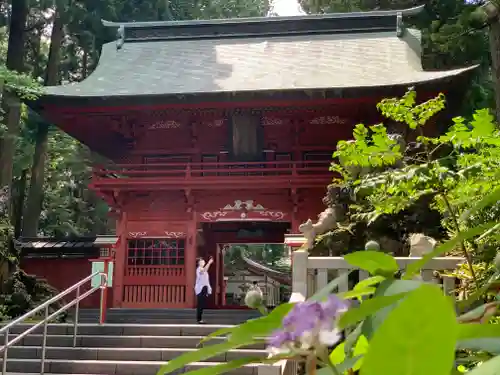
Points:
(291, 62)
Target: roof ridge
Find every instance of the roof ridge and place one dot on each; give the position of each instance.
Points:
(366, 14)
(380, 20)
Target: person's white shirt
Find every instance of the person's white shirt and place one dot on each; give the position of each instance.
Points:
(256, 287)
(202, 279)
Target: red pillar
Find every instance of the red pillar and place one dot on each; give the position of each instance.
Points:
(295, 223)
(120, 257)
(104, 290)
(190, 261)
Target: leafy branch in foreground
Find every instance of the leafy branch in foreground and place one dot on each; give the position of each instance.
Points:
(456, 169)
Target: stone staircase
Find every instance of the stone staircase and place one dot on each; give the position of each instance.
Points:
(122, 348)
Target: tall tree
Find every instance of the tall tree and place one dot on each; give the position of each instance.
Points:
(11, 104)
(35, 195)
(489, 15)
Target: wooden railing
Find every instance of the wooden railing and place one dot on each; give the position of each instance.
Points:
(215, 169)
(310, 274)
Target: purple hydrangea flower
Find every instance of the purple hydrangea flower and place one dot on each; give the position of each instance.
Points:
(309, 325)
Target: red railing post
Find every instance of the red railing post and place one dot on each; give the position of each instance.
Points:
(104, 292)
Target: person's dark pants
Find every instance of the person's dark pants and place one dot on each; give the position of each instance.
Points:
(200, 305)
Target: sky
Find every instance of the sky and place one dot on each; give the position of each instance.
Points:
(285, 8)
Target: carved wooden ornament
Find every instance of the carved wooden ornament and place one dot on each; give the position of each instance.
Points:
(243, 210)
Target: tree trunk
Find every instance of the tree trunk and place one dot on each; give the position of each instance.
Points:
(11, 104)
(35, 195)
(19, 193)
(495, 62)
(489, 13)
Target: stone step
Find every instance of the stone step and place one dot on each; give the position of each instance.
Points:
(125, 329)
(38, 373)
(136, 341)
(57, 366)
(168, 312)
(164, 316)
(120, 354)
(130, 320)
(158, 320)
(163, 311)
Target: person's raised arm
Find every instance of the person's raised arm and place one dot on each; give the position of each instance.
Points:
(207, 266)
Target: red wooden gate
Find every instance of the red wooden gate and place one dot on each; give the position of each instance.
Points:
(155, 273)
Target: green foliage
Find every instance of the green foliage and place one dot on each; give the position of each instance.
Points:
(376, 263)
(415, 354)
(22, 84)
(23, 292)
(338, 355)
(69, 207)
(456, 169)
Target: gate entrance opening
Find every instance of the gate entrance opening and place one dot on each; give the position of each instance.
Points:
(246, 265)
(239, 250)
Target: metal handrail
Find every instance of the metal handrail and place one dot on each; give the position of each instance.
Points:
(45, 306)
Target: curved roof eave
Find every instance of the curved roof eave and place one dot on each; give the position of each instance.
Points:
(432, 77)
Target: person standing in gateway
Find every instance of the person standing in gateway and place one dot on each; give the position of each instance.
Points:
(202, 287)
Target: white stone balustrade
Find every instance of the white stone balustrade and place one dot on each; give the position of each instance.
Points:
(310, 274)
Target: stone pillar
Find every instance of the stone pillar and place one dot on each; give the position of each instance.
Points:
(294, 242)
(299, 262)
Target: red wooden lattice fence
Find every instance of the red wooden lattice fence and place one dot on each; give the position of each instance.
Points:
(155, 273)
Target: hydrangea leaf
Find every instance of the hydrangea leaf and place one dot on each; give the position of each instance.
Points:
(197, 356)
(418, 336)
(396, 289)
(219, 368)
(261, 327)
(371, 281)
(338, 355)
(367, 308)
(358, 293)
(339, 359)
(374, 262)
